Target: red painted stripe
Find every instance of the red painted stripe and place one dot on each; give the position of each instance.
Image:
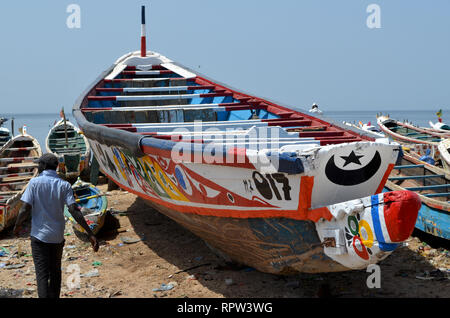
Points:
(103, 89)
(102, 98)
(384, 179)
(135, 72)
(118, 80)
(290, 123)
(143, 46)
(338, 141)
(320, 133)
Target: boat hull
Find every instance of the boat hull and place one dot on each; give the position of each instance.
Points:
(16, 169)
(285, 246)
(89, 197)
(274, 236)
(311, 204)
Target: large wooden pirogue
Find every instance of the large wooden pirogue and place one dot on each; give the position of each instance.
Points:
(265, 185)
(16, 170)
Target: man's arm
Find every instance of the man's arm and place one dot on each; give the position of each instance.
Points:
(24, 213)
(79, 218)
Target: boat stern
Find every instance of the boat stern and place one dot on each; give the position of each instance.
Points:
(367, 230)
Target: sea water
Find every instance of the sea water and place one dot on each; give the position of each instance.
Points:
(38, 125)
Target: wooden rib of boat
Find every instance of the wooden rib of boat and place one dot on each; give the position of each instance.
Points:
(269, 186)
(66, 142)
(432, 184)
(93, 204)
(16, 170)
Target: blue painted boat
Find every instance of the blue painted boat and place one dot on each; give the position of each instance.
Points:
(432, 184)
(93, 204)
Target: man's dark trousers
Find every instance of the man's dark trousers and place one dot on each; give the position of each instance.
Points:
(47, 264)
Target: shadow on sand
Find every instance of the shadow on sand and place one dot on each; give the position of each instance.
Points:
(186, 251)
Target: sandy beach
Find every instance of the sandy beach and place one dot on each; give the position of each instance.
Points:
(144, 254)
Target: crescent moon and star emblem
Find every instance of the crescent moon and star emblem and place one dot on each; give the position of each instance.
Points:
(352, 177)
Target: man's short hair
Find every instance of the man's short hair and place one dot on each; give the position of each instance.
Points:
(47, 161)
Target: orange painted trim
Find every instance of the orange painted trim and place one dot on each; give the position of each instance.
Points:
(385, 177)
(304, 202)
(299, 214)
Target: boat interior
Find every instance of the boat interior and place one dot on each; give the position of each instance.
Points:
(70, 150)
(17, 166)
(417, 177)
(160, 103)
(411, 132)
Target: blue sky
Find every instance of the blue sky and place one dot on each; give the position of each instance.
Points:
(295, 52)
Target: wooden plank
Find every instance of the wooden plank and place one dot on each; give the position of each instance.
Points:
(418, 177)
(22, 165)
(18, 178)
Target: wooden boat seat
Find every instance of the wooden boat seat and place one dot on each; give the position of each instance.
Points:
(13, 183)
(22, 165)
(430, 187)
(13, 159)
(432, 195)
(409, 166)
(10, 175)
(417, 177)
(17, 178)
(20, 149)
(156, 89)
(128, 98)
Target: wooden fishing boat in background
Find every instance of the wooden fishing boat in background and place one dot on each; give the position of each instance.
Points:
(415, 137)
(444, 148)
(5, 133)
(266, 185)
(93, 204)
(432, 184)
(70, 146)
(16, 170)
(440, 127)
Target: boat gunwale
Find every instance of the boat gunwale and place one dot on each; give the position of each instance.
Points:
(133, 142)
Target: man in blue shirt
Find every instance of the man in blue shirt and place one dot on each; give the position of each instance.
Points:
(44, 198)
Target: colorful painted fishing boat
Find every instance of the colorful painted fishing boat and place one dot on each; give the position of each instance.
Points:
(70, 146)
(16, 170)
(5, 134)
(93, 204)
(417, 138)
(268, 186)
(432, 184)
